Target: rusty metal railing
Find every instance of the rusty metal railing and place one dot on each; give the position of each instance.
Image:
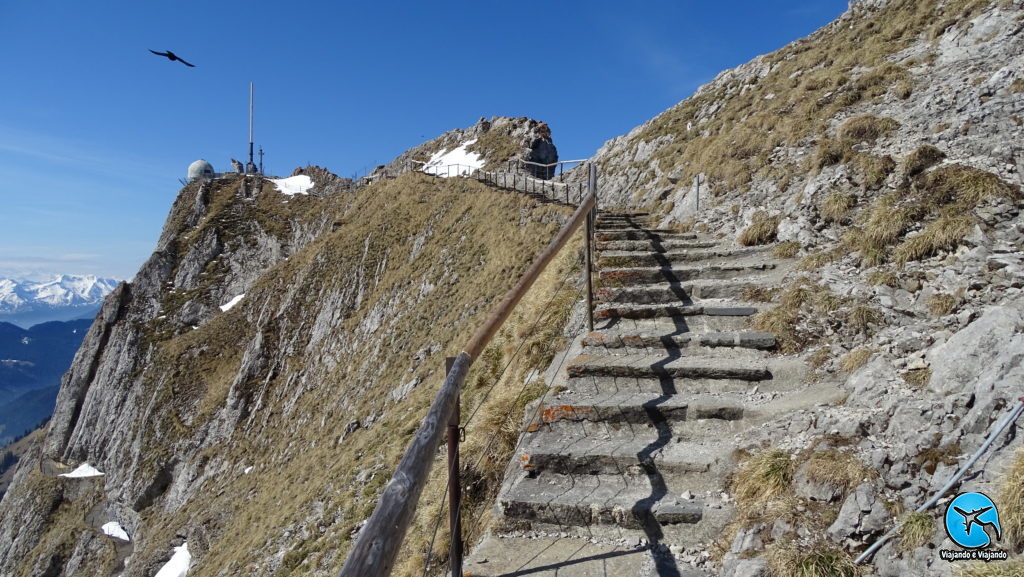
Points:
(380, 540)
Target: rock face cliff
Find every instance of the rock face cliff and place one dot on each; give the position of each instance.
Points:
(249, 391)
(882, 154)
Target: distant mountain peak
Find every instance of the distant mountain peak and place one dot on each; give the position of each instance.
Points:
(64, 297)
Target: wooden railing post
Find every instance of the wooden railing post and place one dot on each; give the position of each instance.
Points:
(454, 487)
(592, 192)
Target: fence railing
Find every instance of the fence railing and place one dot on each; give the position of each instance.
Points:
(380, 540)
(547, 180)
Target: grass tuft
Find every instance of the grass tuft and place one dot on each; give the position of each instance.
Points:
(942, 234)
(762, 478)
(873, 169)
(759, 294)
(862, 317)
(1011, 503)
(855, 359)
(917, 378)
(942, 304)
(838, 469)
(761, 231)
(999, 569)
(883, 277)
(836, 206)
(817, 260)
(819, 559)
(916, 530)
(866, 128)
(964, 184)
(786, 249)
(922, 158)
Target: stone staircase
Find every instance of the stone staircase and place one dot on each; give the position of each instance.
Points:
(623, 471)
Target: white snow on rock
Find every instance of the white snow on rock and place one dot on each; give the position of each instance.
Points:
(66, 290)
(231, 303)
(179, 563)
(456, 162)
(115, 530)
(298, 184)
(83, 470)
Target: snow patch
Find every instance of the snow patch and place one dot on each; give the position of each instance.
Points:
(465, 162)
(83, 470)
(298, 184)
(231, 303)
(179, 563)
(115, 530)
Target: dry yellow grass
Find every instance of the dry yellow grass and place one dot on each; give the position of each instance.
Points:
(762, 478)
(836, 206)
(855, 359)
(917, 378)
(838, 469)
(1011, 503)
(1002, 569)
(942, 304)
(916, 529)
(921, 159)
(819, 559)
(762, 229)
(787, 249)
(866, 128)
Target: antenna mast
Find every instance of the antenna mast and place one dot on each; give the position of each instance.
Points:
(251, 167)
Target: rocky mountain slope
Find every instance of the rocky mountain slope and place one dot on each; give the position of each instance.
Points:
(882, 156)
(63, 298)
(248, 393)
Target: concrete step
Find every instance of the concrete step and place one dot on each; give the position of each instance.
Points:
(685, 292)
(644, 232)
(658, 366)
(607, 235)
(648, 311)
(639, 408)
(632, 502)
(553, 556)
(674, 325)
(632, 259)
(617, 277)
(654, 245)
(731, 339)
(704, 464)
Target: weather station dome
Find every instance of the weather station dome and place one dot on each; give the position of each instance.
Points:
(200, 169)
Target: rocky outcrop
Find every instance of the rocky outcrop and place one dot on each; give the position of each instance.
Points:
(221, 385)
(863, 126)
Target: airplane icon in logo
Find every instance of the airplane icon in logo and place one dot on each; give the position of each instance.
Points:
(971, 518)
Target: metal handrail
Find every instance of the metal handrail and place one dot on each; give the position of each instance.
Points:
(374, 552)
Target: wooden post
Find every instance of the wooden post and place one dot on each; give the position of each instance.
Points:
(454, 487)
(375, 551)
(589, 233)
(591, 192)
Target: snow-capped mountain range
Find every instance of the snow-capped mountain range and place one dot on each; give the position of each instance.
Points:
(62, 298)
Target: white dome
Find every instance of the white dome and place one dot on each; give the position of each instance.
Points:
(200, 169)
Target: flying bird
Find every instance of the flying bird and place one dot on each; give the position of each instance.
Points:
(172, 57)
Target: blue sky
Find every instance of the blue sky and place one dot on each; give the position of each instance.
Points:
(95, 132)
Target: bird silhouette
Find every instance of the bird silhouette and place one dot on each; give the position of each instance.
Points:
(172, 57)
